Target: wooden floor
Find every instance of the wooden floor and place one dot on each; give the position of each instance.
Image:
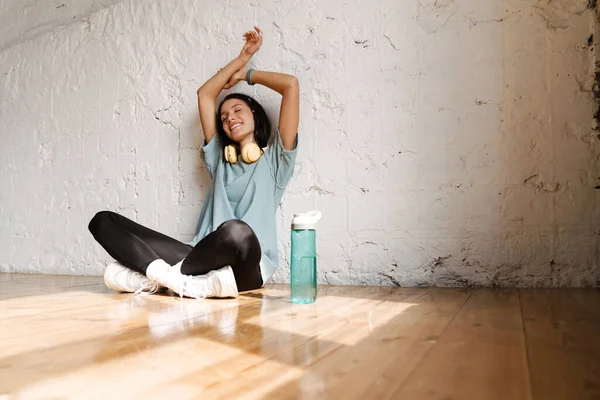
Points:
(70, 337)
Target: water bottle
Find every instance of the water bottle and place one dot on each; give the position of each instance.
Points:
(303, 265)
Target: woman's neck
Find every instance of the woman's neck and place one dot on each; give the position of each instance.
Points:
(246, 140)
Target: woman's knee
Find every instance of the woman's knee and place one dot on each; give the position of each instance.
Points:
(98, 220)
(236, 228)
(240, 236)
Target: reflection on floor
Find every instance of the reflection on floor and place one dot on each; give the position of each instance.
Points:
(70, 337)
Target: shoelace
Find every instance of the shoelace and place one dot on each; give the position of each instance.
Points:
(181, 288)
(152, 285)
(184, 281)
(155, 286)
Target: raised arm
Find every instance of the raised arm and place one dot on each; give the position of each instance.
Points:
(208, 93)
(289, 113)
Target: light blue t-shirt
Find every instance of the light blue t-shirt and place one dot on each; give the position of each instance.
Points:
(249, 192)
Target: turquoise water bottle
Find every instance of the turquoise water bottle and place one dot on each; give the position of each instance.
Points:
(303, 265)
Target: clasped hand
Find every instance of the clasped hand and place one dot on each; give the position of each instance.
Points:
(251, 46)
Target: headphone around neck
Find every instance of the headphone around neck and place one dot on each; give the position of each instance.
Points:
(250, 153)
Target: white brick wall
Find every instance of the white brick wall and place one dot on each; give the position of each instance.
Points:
(446, 142)
(25, 19)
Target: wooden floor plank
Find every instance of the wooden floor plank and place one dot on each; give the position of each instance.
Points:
(65, 337)
(9, 276)
(30, 307)
(395, 344)
(298, 344)
(35, 285)
(563, 349)
(589, 299)
(192, 344)
(480, 355)
(287, 341)
(103, 338)
(93, 322)
(70, 335)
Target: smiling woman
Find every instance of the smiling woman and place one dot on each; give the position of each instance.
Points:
(235, 247)
(243, 127)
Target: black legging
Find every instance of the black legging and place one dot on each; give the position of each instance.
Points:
(233, 243)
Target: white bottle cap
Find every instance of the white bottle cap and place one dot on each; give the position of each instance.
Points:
(307, 220)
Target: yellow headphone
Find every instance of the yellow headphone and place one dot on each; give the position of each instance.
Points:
(250, 153)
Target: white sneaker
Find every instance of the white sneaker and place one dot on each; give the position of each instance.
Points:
(216, 283)
(122, 279)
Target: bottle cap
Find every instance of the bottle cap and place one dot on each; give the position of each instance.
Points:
(307, 220)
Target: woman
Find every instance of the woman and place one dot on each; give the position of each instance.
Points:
(235, 248)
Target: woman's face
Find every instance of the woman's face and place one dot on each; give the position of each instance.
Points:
(237, 120)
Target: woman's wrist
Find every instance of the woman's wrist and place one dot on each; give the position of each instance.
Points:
(248, 76)
(244, 57)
